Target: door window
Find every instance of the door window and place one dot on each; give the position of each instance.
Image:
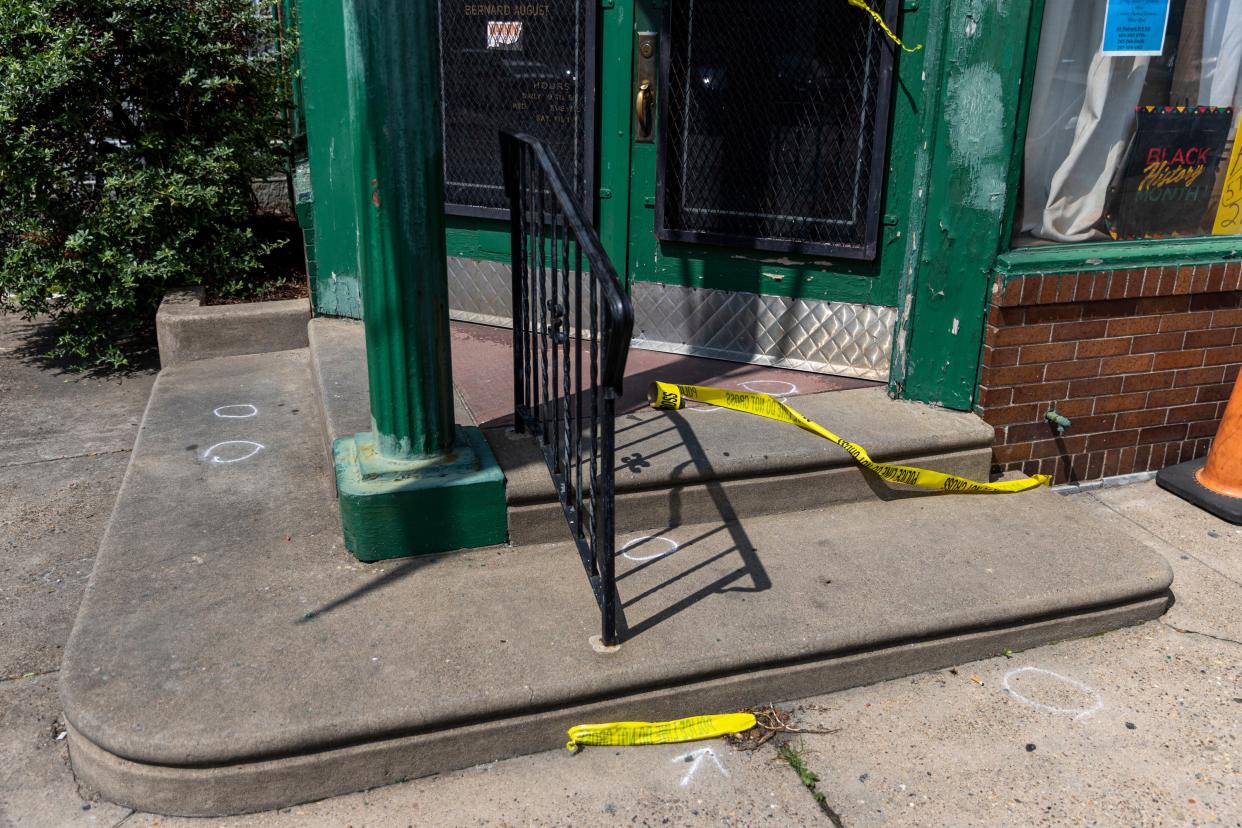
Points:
(774, 126)
(523, 67)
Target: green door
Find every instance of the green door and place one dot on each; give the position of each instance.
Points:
(749, 164)
(756, 169)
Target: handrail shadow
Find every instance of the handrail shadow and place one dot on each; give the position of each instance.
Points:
(750, 564)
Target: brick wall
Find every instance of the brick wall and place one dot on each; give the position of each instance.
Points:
(1142, 361)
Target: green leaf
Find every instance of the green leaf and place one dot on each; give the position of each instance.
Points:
(130, 131)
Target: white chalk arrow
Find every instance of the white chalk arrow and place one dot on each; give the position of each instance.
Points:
(696, 757)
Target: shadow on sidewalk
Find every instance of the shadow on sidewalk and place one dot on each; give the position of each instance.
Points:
(749, 576)
(36, 337)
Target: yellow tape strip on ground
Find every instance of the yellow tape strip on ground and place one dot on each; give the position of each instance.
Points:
(659, 733)
(663, 395)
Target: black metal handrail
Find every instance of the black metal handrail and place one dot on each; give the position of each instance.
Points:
(568, 366)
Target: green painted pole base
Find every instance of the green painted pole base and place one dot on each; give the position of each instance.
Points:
(395, 510)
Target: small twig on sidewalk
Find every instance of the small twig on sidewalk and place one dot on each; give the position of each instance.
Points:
(769, 721)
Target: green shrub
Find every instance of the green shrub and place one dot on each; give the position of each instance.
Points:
(130, 132)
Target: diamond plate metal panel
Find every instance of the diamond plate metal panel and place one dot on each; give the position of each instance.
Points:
(480, 291)
(824, 337)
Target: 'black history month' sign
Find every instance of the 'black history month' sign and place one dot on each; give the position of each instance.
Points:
(1167, 178)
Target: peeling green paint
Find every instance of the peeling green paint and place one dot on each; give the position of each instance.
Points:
(335, 287)
(1118, 255)
(423, 512)
(975, 60)
(977, 134)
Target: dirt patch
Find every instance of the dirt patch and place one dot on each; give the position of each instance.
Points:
(285, 290)
(284, 269)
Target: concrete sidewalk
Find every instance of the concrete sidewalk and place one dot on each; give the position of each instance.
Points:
(65, 441)
(1135, 727)
(951, 747)
(230, 657)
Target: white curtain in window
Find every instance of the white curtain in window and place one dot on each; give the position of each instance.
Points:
(1082, 112)
(1222, 55)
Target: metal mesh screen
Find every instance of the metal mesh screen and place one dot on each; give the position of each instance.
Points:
(773, 124)
(523, 67)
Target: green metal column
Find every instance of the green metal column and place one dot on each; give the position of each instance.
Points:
(393, 62)
(416, 483)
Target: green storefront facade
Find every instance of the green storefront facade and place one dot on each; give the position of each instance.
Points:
(661, 106)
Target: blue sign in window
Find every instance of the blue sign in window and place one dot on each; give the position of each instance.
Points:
(1135, 27)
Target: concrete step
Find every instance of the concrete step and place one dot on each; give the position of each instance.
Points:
(231, 656)
(691, 466)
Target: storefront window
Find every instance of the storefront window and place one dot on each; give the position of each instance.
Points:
(1132, 121)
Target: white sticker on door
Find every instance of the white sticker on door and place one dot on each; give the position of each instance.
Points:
(504, 34)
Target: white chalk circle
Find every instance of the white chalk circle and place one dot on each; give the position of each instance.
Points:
(785, 389)
(673, 546)
(781, 393)
(691, 405)
(1075, 712)
(211, 455)
(243, 410)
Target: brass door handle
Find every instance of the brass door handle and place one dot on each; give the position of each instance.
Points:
(644, 80)
(642, 106)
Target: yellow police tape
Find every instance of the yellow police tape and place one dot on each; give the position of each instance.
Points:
(659, 733)
(665, 395)
(880, 20)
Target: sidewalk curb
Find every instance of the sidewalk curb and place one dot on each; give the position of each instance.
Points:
(278, 782)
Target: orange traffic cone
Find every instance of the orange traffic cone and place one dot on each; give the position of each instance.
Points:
(1214, 483)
